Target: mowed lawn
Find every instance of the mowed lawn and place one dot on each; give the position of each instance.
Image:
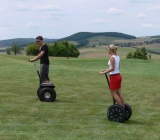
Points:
(79, 112)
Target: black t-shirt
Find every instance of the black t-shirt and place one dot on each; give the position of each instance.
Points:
(44, 59)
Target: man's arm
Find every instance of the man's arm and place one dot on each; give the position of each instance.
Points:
(37, 57)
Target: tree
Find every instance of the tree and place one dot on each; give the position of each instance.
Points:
(59, 49)
(144, 53)
(32, 49)
(140, 53)
(8, 50)
(63, 49)
(15, 48)
(129, 55)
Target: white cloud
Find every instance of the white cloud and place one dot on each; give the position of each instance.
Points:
(27, 18)
(51, 17)
(114, 11)
(123, 25)
(48, 8)
(99, 21)
(154, 8)
(22, 8)
(149, 25)
(119, 1)
(32, 24)
(141, 15)
(2, 29)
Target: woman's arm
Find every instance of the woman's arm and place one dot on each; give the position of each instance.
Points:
(112, 61)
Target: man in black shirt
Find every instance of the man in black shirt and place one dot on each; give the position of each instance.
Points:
(44, 59)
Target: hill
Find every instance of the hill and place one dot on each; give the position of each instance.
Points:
(21, 41)
(86, 35)
(89, 39)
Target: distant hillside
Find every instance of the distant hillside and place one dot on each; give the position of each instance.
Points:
(156, 36)
(22, 42)
(80, 39)
(85, 35)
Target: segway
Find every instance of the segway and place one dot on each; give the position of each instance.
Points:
(116, 112)
(46, 91)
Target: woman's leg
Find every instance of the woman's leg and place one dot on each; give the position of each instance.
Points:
(116, 97)
(119, 93)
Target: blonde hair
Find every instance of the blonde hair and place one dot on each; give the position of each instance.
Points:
(113, 48)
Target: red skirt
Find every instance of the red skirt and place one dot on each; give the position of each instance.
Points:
(115, 82)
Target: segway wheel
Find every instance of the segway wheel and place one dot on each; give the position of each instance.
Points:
(38, 90)
(128, 111)
(47, 94)
(116, 113)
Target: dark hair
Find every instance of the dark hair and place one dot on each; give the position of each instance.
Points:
(39, 37)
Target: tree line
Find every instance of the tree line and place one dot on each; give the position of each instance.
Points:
(58, 49)
(130, 44)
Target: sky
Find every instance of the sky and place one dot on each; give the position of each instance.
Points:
(56, 19)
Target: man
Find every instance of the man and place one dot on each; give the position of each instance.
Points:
(44, 60)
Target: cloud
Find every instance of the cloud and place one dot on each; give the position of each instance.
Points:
(149, 25)
(32, 24)
(48, 8)
(123, 26)
(22, 8)
(154, 8)
(2, 29)
(54, 15)
(114, 11)
(51, 17)
(141, 15)
(119, 1)
(99, 21)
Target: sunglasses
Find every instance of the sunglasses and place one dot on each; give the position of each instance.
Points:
(37, 41)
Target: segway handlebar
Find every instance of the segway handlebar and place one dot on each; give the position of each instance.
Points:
(37, 71)
(114, 102)
(107, 78)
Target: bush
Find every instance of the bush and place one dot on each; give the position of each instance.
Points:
(59, 49)
(63, 49)
(32, 49)
(140, 53)
(129, 55)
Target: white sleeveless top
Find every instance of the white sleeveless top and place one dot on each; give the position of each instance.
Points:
(117, 62)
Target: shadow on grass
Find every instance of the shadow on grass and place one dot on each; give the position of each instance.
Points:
(64, 101)
(134, 122)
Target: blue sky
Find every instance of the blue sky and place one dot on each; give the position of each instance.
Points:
(61, 18)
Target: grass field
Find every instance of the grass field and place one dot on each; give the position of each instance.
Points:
(79, 112)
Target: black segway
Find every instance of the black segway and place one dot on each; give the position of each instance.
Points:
(46, 91)
(116, 112)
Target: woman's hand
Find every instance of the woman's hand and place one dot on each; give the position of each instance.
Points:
(103, 72)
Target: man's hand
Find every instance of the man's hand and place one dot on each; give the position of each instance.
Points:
(31, 60)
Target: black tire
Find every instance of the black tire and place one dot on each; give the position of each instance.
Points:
(116, 113)
(47, 94)
(128, 111)
(38, 90)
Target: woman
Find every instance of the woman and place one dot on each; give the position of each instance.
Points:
(115, 77)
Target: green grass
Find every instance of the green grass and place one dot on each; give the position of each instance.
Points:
(79, 112)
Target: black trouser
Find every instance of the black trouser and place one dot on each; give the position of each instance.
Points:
(44, 71)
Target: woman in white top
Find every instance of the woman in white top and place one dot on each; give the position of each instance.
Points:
(115, 77)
